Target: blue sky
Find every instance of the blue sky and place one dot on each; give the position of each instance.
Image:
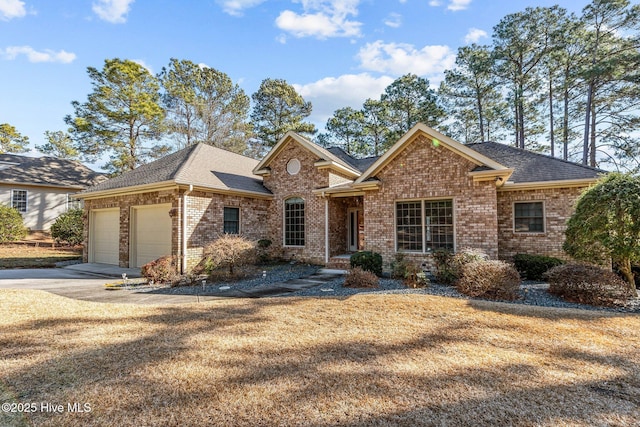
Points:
(336, 53)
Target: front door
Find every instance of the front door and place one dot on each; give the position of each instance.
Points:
(355, 229)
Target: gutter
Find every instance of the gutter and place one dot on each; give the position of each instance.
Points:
(184, 228)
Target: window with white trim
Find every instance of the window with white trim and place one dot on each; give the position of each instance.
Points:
(528, 217)
(73, 203)
(19, 200)
(231, 220)
(424, 225)
(294, 222)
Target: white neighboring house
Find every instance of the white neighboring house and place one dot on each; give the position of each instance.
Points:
(42, 188)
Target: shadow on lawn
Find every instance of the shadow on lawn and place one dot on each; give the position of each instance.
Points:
(545, 312)
(273, 385)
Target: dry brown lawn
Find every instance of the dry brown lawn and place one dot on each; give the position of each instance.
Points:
(26, 256)
(364, 360)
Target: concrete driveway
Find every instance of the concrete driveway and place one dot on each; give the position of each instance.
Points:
(83, 285)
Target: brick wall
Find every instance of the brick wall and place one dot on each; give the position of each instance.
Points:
(558, 208)
(125, 202)
(284, 186)
(422, 171)
(204, 219)
(205, 215)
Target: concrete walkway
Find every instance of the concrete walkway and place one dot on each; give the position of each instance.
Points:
(281, 288)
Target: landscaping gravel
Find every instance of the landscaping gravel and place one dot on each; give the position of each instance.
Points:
(531, 293)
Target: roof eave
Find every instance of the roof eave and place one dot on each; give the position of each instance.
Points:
(57, 186)
(156, 186)
(499, 176)
(539, 185)
(329, 164)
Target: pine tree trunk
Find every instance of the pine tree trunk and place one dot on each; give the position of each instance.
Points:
(587, 124)
(551, 136)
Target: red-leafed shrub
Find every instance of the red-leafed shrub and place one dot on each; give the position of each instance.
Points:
(359, 278)
(162, 270)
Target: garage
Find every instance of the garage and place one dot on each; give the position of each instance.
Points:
(105, 233)
(150, 234)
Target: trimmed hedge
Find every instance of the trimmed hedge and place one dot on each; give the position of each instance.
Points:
(368, 261)
(533, 267)
(449, 265)
(489, 279)
(588, 284)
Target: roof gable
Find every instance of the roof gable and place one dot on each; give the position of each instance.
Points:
(199, 165)
(484, 163)
(47, 171)
(327, 158)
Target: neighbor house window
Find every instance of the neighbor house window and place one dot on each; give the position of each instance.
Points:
(19, 200)
(424, 225)
(73, 203)
(232, 220)
(294, 222)
(528, 217)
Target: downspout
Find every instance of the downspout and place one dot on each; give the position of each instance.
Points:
(184, 228)
(326, 229)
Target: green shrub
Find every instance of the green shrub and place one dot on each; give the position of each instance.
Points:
(399, 266)
(448, 266)
(162, 270)
(368, 261)
(411, 274)
(11, 225)
(588, 284)
(358, 278)
(229, 250)
(489, 279)
(262, 249)
(533, 267)
(68, 227)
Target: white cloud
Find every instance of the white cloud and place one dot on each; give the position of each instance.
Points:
(399, 59)
(10, 9)
(349, 90)
(456, 5)
(237, 7)
(321, 19)
(143, 64)
(114, 11)
(394, 20)
(474, 35)
(12, 52)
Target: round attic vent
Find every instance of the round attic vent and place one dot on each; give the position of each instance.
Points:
(293, 166)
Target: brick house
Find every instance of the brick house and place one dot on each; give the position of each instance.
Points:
(425, 193)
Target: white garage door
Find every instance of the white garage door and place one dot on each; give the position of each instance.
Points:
(105, 234)
(151, 233)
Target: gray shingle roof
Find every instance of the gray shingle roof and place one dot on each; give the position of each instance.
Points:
(199, 165)
(533, 167)
(47, 171)
(359, 164)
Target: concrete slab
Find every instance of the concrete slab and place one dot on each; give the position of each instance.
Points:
(87, 287)
(104, 270)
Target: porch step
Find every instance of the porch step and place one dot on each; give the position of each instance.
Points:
(339, 262)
